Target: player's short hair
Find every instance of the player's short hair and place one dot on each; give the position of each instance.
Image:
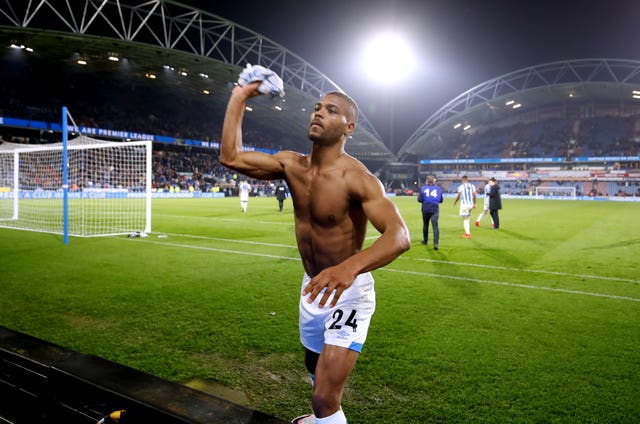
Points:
(464, 177)
(493, 180)
(352, 103)
(431, 179)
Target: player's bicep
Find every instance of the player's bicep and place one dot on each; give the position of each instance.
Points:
(380, 210)
(259, 164)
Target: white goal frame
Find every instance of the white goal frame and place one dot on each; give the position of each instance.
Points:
(555, 192)
(84, 209)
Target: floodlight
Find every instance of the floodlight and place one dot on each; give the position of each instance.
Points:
(388, 58)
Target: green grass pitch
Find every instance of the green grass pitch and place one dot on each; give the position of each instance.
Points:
(538, 322)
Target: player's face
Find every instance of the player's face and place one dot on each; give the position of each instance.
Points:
(330, 120)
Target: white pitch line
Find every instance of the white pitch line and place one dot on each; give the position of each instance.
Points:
(213, 249)
(259, 243)
(451, 277)
(538, 271)
(502, 283)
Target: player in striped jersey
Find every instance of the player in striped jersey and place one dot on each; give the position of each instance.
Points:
(467, 196)
(485, 209)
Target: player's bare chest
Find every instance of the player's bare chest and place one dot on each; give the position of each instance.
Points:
(324, 199)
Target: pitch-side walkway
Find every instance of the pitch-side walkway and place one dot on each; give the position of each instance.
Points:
(44, 383)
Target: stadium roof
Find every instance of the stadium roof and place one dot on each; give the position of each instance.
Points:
(152, 34)
(568, 82)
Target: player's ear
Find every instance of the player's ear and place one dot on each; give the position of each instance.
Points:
(349, 128)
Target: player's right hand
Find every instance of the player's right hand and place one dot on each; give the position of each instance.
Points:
(249, 90)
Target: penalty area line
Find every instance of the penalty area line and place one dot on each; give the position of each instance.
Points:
(425, 274)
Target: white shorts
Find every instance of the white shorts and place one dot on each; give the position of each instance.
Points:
(346, 324)
(465, 210)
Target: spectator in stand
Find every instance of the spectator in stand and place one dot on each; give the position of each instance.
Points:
(467, 196)
(485, 205)
(430, 196)
(281, 193)
(495, 202)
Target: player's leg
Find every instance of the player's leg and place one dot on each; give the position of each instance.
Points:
(495, 219)
(479, 218)
(333, 368)
(436, 229)
(425, 227)
(465, 213)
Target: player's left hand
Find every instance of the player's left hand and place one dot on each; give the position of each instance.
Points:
(334, 279)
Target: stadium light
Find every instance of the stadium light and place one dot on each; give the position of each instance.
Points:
(21, 47)
(388, 58)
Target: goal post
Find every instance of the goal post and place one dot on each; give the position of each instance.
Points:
(556, 192)
(106, 189)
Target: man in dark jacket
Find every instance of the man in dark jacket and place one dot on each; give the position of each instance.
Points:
(495, 202)
(281, 193)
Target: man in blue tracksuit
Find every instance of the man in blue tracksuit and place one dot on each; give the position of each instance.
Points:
(430, 196)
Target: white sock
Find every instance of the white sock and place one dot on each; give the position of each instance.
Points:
(336, 418)
(466, 226)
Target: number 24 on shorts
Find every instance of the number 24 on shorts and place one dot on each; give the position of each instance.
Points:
(337, 316)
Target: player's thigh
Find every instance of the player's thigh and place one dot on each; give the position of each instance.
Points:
(334, 366)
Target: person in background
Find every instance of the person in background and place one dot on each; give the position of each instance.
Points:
(244, 189)
(281, 193)
(495, 203)
(467, 197)
(430, 196)
(485, 205)
(335, 197)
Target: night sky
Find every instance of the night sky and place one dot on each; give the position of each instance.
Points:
(458, 43)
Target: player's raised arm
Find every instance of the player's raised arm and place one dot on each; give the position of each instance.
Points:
(254, 164)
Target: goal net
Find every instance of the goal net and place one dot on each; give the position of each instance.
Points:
(543, 192)
(108, 189)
